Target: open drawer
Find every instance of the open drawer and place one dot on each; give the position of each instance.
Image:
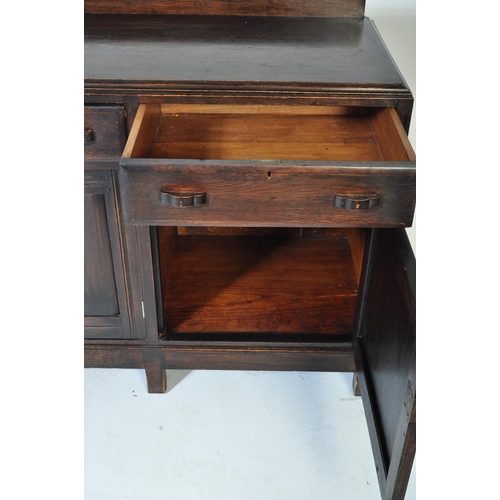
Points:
(307, 166)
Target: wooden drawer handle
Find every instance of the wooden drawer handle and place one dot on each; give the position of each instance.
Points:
(89, 135)
(356, 201)
(183, 198)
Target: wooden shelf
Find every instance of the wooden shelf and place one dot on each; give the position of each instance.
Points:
(301, 286)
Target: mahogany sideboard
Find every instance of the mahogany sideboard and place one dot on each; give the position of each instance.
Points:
(248, 181)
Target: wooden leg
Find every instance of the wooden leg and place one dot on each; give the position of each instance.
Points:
(156, 376)
(355, 385)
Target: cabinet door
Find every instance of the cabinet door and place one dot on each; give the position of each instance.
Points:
(105, 303)
(384, 349)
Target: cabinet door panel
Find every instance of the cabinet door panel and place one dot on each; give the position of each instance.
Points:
(384, 348)
(105, 302)
(100, 288)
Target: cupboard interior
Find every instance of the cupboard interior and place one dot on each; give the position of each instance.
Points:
(256, 132)
(281, 284)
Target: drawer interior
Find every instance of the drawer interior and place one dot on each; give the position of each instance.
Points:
(281, 284)
(256, 132)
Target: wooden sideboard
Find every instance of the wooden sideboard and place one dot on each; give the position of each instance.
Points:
(248, 179)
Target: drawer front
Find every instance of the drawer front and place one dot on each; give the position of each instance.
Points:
(104, 134)
(262, 193)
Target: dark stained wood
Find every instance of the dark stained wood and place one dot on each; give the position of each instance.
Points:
(139, 284)
(324, 231)
(156, 274)
(299, 8)
(243, 193)
(121, 252)
(118, 268)
(148, 312)
(259, 284)
(237, 231)
(102, 164)
(103, 327)
(100, 298)
(166, 238)
(321, 358)
(106, 301)
(105, 126)
(156, 376)
(231, 52)
(227, 358)
(113, 356)
(384, 348)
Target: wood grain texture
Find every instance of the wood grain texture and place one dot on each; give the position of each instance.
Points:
(357, 241)
(102, 327)
(108, 130)
(237, 231)
(385, 348)
(242, 127)
(265, 136)
(143, 132)
(391, 137)
(118, 260)
(299, 8)
(232, 52)
(105, 293)
(326, 358)
(261, 193)
(259, 284)
(156, 376)
(113, 356)
(100, 298)
(260, 109)
(211, 150)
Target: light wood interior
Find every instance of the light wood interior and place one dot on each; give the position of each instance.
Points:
(303, 133)
(293, 283)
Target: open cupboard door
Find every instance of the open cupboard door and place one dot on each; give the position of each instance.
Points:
(384, 350)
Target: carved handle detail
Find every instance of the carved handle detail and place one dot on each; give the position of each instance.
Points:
(180, 198)
(89, 135)
(356, 201)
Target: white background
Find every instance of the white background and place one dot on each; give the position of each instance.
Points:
(42, 243)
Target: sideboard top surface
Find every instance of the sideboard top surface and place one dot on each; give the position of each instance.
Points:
(323, 52)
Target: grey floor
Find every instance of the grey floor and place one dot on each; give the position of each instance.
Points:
(227, 436)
